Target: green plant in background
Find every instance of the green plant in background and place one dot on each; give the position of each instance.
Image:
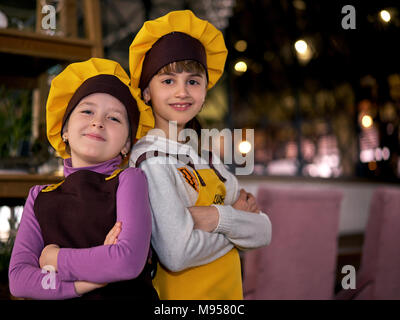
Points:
(7, 246)
(5, 255)
(15, 120)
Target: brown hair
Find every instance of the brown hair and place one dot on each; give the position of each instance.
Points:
(183, 66)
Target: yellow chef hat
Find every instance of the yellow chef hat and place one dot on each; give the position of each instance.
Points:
(179, 35)
(83, 78)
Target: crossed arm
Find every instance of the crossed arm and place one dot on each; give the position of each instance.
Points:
(49, 256)
(206, 218)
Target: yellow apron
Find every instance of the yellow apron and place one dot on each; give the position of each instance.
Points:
(217, 280)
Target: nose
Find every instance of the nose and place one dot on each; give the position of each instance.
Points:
(98, 122)
(181, 90)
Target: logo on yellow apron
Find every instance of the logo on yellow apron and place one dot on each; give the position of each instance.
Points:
(218, 199)
(190, 178)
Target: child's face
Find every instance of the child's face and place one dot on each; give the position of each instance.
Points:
(97, 130)
(176, 97)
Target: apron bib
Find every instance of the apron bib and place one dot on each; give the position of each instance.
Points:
(217, 280)
(75, 219)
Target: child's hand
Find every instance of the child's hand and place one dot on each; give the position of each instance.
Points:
(246, 202)
(252, 202)
(49, 256)
(112, 236)
(82, 287)
(205, 218)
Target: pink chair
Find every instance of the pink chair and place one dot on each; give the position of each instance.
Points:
(379, 275)
(300, 262)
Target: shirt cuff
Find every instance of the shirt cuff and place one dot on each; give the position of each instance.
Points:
(70, 287)
(225, 220)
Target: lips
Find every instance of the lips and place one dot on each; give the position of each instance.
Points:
(181, 106)
(94, 136)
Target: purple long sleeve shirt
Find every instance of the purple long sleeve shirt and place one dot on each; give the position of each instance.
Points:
(102, 264)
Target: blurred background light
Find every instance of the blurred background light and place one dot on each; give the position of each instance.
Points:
(303, 51)
(301, 46)
(299, 5)
(385, 153)
(367, 155)
(241, 45)
(372, 166)
(385, 15)
(241, 66)
(366, 121)
(244, 147)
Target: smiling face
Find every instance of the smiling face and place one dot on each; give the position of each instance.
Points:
(176, 95)
(97, 130)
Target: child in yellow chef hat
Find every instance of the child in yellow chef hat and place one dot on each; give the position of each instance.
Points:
(200, 218)
(92, 122)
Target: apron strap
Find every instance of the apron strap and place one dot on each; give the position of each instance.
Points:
(156, 153)
(212, 167)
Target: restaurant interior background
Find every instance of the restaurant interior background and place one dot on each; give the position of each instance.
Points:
(319, 84)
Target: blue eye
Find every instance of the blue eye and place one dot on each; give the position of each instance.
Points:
(114, 119)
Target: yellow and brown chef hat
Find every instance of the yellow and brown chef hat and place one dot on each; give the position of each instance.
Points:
(81, 79)
(179, 35)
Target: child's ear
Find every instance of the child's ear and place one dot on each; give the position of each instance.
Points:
(65, 129)
(146, 95)
(127, 147)
(65, 135)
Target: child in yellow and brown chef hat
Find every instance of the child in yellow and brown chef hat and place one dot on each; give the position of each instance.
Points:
(94, 226)
(191, 52)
